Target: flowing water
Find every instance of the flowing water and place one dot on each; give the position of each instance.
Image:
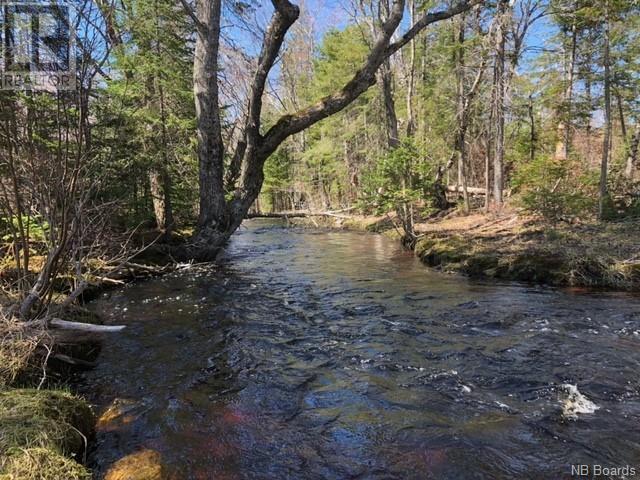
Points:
(333, 355)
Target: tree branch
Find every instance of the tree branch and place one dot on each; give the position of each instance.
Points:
(429, 18)
(284, 16)
(363, 78)
(192, 14)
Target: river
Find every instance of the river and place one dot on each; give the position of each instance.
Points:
(336, 355)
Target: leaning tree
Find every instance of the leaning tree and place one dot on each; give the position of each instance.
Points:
(221, 214)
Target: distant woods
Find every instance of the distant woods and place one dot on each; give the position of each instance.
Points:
(187, 114)
(531, 102)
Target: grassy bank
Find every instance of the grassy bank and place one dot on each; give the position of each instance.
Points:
(511, 246)
(43, 435)
(43, 432)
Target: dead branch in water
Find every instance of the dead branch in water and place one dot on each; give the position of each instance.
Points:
(84, 327)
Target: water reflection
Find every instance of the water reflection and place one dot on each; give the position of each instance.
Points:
(337, 355)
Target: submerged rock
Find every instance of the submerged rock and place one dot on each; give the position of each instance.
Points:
(142, 465)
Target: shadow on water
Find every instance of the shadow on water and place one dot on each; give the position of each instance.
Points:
(334, 355)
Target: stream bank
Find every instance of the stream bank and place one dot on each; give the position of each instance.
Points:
(515, 247)
(45, 429)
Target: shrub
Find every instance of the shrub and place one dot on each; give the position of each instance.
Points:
(555, 189)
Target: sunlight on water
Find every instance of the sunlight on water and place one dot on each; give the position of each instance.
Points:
(332, 355)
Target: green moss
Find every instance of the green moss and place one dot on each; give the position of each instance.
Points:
(53, 420)
(42, 464)
(459, 254)
(443, 251)
(481, 264)
(538, 266)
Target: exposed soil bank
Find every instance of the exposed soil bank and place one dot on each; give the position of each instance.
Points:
(514, 247)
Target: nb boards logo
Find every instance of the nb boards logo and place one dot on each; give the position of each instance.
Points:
(37, 50)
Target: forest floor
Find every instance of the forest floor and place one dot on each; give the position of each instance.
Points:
(511, 245)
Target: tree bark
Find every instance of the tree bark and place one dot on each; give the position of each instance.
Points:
(461, 114)
(411, 122)
(569, 92)
(632, 156)
(209, 130)
(606, 143)
(499, 97)
(159, 185)
(532, 130)
(386, 90)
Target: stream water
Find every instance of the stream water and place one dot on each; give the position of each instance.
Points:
(334, 355)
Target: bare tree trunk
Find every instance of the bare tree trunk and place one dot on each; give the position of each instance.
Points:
(532, 126)
(160, 176)
(461, 114)
(411, 122)
(589, 101)
(569, 92)
(487, 174)
(632, 156)
(391, 119)
(606, 144)
(499, 97)
(623, 124)
(209, 130)
(159, 186)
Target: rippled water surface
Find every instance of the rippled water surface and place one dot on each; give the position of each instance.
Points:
(334, 355)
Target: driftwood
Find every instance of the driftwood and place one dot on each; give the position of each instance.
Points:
(112, 281)
(473, 190)
(51, 331)
(84, 327)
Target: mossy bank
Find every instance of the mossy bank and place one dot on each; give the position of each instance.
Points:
(43, 435)
(512, 248)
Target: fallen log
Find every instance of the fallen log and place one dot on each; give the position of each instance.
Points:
(111, 281)
(84, 327)
(297, 214)
(279, 215)
(471, 190)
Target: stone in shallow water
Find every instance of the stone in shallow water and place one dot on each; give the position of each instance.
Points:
(142, 465)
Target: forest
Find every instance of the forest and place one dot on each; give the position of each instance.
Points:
(144, 141)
